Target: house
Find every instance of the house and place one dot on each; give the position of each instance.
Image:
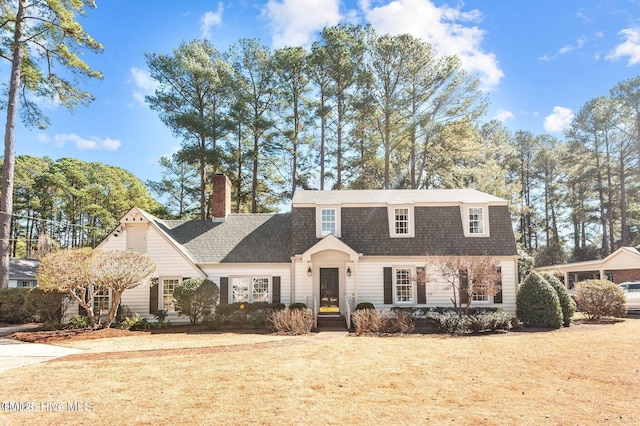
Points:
(620, 266)
(332, 251)
(22, 272)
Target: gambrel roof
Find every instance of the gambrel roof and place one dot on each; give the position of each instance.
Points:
(276, 238)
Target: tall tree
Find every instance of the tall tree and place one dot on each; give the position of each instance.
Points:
(178, 186)
(293, 81)
(255, 87)
(192, 99)
(345, 49)
(46, 35)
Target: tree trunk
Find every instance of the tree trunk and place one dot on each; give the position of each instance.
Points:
(8, 165)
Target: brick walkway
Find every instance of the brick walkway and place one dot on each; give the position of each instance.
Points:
(319, 337)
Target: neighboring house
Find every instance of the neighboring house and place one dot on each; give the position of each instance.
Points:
(334, 248)
(620, 266)
(22, 272)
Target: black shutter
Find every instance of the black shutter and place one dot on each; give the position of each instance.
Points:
(388, 286)
(464, 287)
(153, 295)
(420, 282)
(224, 290)
(275, 290)
(498, 297)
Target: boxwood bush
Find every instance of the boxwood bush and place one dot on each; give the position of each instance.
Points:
(364, 305)
(567, 304)
(600, 298)
(537, 303)
(488, 320)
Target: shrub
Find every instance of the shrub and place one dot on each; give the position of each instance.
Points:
(14, 308)
(364, 305)
(211, 322)
(195, 298)
(367, 321)
(241, 314)
(297, 305)
(600, 298)
(490, 321)
(370, 321)
(567, 304)
(537, 303)
(291, 321)
(47, 306)
(135, 323)
(161, 318)
(450, 322)
(79, 322)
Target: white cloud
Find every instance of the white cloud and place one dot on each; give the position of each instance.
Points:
(503, 115)
(211, 19)
(558, 120)
(630, 48)
(569, 47)
(294, 22)
(144, 84)
(60, 140)
(445, 27)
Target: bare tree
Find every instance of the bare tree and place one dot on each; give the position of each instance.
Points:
(466, 276)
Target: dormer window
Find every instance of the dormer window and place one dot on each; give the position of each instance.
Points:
(401, 223)
(327, 221)
(475, 221)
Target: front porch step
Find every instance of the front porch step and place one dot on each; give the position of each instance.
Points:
(331, 323)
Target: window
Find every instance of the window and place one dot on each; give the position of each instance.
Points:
(404, 285)
(168, 286)
(480, 295)
(250, 289)
(101, 301)
(328, 222)
(476, 220)
(402, 221)
(27, 283)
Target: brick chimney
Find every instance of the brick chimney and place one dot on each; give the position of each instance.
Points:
(221, 199)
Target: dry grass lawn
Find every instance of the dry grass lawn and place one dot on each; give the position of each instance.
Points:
(589, 374)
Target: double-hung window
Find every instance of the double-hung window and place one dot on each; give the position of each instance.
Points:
(476, 220)
(403, 285)
(168, 286)
(101, 300)
(401, 221)
(328, 221)
(250, 289)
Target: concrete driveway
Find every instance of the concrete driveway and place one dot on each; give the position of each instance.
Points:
(14, 353)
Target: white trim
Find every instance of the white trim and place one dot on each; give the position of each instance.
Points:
(336, 209)
(391, 215)
(161, 290)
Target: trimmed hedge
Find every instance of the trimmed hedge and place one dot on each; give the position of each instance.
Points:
(537, 303)
(364, 305)
(567, 304)
(600, 298)
(481, 321)
(22, 305)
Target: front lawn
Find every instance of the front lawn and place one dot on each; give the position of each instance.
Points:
(587, 374)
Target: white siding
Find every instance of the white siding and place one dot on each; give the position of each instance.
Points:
(624, 260)
(168, 259)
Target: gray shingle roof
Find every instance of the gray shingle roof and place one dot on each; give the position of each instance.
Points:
(243, 238)
(24, 269)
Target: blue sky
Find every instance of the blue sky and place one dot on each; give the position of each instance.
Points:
(539, 61)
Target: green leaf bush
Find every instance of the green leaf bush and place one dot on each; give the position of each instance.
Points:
(364, 305)
(600, 298)
(196, 298)
(567, 303)
(537, 303)
(480, 321)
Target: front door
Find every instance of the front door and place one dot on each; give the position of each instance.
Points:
(329, 290)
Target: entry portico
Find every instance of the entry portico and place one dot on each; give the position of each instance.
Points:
(326, 275)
